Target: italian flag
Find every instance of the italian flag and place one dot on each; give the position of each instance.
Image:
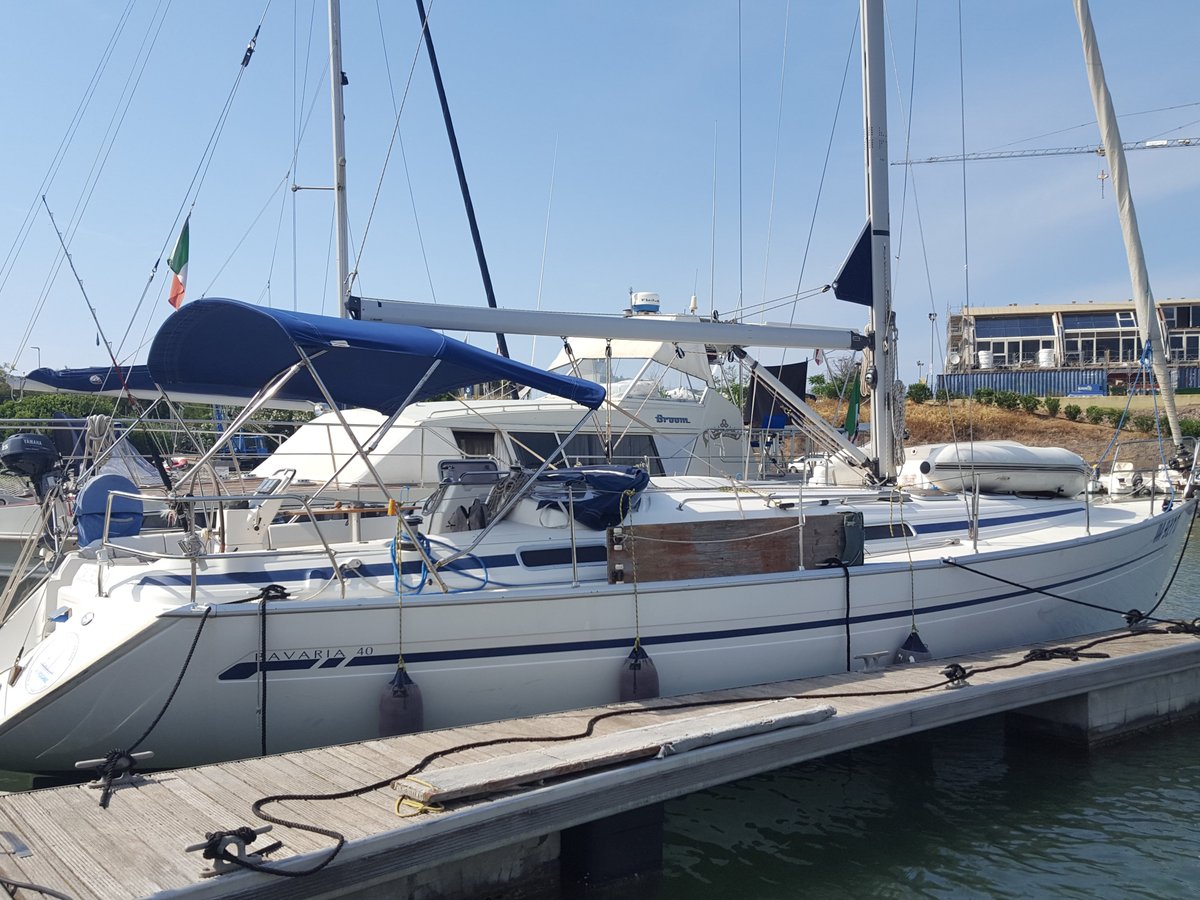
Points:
(178, 263)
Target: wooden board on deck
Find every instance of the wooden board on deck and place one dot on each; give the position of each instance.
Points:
(674, 551)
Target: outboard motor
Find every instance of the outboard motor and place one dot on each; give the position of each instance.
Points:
(34, 457)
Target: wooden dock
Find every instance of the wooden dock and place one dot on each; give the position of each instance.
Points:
(468, 804)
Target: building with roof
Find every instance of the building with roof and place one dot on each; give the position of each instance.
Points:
(1058, 349)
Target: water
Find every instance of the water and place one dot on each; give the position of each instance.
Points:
(957, 812)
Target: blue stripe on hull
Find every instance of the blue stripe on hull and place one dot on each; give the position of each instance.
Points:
(244, 670)
(499, 561)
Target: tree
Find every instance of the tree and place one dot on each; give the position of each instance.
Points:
(732, 383)
(919, 392)
(841, 370)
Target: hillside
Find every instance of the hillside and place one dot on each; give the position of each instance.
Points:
(930, 423)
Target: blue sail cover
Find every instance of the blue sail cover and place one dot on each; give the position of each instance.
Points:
(94, 380)
(217, 346)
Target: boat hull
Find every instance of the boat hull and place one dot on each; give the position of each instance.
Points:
(486, 655)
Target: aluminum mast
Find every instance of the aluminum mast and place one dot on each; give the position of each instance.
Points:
(336, 80)
(881, 373)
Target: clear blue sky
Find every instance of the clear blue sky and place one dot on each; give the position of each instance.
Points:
(638, 98)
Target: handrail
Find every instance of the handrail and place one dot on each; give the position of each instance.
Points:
(226, 498)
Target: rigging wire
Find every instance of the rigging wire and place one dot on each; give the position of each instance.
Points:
(266, 291)
(545, 245)
(966, 307)
(741, 141)
(412, 197)
(1144, 112)
(98, 163)
(199, 173)
(392, 143)
(298, 130)
(279, 187)
(787, 15)
(64, 144)
(712, 256)
(825, 164)
(128, 92)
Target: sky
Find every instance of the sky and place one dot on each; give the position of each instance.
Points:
(680, 147)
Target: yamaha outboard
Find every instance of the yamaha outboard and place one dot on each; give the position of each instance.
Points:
(34, 457)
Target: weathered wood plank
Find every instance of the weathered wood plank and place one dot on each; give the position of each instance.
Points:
(673, 551)
(79, 857)
(136, 846)
(476, 779)
(46, 866)
(703, 549)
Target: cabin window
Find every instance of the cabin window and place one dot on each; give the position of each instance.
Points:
(638, 450)
(532, 448)
(475, 443)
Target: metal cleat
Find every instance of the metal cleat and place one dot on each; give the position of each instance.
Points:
(874, 662)
(223, 846)
(957, 676)
(116, 771)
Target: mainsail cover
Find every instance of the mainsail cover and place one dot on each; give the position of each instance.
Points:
(221, 346)
(91, 380)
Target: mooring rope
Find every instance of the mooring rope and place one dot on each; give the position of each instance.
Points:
(118, 761)
(952, 674)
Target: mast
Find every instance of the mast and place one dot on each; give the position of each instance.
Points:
(501, 341)
(1110, 138)
(880, 375)
(337, 79)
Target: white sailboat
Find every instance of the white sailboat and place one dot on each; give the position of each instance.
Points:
(519, 592)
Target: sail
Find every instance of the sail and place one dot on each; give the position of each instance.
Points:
(1110, 137)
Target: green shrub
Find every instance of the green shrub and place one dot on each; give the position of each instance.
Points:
(919, 392)
(985, 396)
(1113, 416)
(1189, 427)
(1008, 399)
(1094, 414)
(1072, 412)
(1118, 390)
(1051, 406)
(1030, 403)
(1143, 422)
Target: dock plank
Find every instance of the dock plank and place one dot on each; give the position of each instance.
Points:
(478, 779)
(45, 866)
(136, 846)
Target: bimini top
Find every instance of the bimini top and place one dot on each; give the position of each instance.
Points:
(227, 347)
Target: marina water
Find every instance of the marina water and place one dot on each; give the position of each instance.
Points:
(957, 812)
